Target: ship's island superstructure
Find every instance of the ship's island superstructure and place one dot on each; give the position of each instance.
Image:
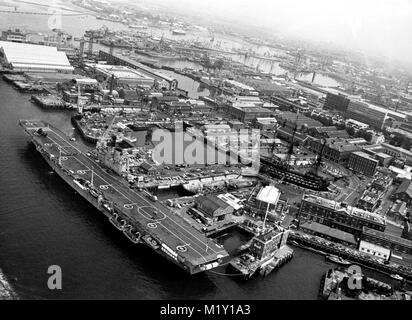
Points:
(136, 213)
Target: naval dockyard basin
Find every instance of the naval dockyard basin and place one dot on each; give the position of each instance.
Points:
(270, 156)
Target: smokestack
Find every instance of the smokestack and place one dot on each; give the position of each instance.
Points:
(90, 46)
(111, 48)
(313, 77)
(81, 50)
(59, 39)
(111, 84)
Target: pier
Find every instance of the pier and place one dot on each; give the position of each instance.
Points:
(318, 247)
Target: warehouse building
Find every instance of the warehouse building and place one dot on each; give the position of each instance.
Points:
(292, 119)
(213, 207)
(245, 114)
(362, 163)
(336, 101)
(337, 150)
(122, 75)
(373, 115)
(338, 215)
(404, 192)
(384, 245)
(267, 198)
(25, 57)
(163, 80)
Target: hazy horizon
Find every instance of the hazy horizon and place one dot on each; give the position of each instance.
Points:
(373, 27)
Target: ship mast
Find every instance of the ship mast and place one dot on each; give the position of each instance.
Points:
(266, 215)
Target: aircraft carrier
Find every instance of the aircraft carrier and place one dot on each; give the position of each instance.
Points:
(142, 219)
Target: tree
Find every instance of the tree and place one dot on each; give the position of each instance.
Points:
(218, 64)
(350, 131)
(368, 136)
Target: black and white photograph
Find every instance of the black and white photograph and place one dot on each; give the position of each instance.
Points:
(206, 154)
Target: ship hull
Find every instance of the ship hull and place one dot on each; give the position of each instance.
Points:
(117, 210)
(93, 201)
(280, 172)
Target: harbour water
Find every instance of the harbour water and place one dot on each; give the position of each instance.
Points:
(44, 222)
(77, 24)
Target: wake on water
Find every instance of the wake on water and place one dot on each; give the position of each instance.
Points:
(6, 291)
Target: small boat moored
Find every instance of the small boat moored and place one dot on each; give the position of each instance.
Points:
(338, 260)
(396, 277)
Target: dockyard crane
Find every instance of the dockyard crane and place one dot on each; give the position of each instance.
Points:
(104, 136)
(59, 37)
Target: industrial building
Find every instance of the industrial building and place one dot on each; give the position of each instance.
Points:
(122, 75)
(404, 192)
(327, 132)
(163, 80)
(292, 119)
(397, 152)
(376, 116)
(329, 233)
(213, 207)
(267, 198)
(362, 163)
(384, 245)
(338, 100)
(245, 114)
(25, 57)
(289, 104)
(266, 123)
(266, 243)
(407, 230)
(335, 149)
(338, 215)
(239, 87)
(177, 107)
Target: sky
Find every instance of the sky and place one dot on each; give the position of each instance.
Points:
(377, 27)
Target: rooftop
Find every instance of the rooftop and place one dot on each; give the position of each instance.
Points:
(268, 194)
(364, 155)
(122, 72)
(240, 85)
(337, 206)
(331, 232)
(388, 237)
(406, 186)
(211, 203)
(379, 108)
(23, 55)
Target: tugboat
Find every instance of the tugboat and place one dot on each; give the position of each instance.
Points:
(179, 32)
(338, 260)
